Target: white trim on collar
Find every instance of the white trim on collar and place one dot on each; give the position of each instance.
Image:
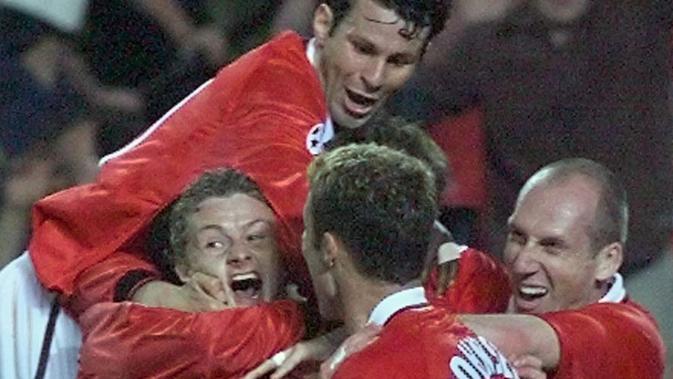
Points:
(321, 133)
(617, 292)
(391, 304)
(311, 52)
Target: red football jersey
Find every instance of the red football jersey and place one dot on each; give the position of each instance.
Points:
(126, 340)
(608, 340)
(421, 341)
(256, 115)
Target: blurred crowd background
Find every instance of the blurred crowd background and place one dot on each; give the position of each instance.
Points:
(509, 86)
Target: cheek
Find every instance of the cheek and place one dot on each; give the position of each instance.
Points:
(398, 77)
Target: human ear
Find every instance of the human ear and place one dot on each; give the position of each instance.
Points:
(323, 21)
(331, 246)
(609, 260)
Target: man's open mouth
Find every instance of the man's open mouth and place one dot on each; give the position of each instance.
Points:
(359, 105)
(531, 293)
(246, 287)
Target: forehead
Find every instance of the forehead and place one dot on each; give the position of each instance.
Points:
(235, 208)
(564, 209)
(370, 20)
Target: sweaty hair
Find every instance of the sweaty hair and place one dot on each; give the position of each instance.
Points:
(380, 202)
(612, 212)
(400, 134)
(169, 234)
(418, 14)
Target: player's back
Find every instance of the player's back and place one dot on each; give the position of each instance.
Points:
(423, 343)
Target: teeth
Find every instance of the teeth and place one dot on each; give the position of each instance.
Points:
(533, 291)
(239, 277)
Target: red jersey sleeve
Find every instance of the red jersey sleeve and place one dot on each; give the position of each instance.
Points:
(481, 285)
(608, 340)
(127, 340)
(254, 117)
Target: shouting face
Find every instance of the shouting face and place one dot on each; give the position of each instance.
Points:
(364, 59)
(233, 239)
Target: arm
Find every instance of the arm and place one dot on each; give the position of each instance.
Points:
(124, 339)
(612, 332)
(518, 335)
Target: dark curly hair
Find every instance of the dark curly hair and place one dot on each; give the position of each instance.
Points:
(418, 14)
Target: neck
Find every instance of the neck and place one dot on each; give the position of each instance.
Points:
(359, 296)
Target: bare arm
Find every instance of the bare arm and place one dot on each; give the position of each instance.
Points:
(518, 335)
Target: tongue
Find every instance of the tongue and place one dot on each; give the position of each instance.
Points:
(246, 297)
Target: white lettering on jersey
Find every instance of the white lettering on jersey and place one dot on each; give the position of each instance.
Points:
(480, 359)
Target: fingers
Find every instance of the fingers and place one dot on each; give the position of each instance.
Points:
(200, 300)
(529, 367)
(293, 358)
(261, 370)
(292, 291)
(446, 272)
(209, 284)
(282, 362)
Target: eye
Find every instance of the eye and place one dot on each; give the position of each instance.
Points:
(215, 246)
(401, 60)
(516, 237)
(256, 237)
(551, 247)
(363, 48)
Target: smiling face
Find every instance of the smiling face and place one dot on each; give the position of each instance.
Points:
(549, 251)
(364, 59)
(233, 238)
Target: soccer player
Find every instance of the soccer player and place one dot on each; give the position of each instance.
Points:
(368, 217)
(266, 115)
(221, 226)
(564, 249)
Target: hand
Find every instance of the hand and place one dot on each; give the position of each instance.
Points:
(209, 42)
(529, 367)
(315, 350)
(120, 99)
(201, 293)
(352, 345)
(446, 268)
(29, 180)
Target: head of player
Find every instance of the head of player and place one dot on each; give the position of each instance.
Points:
(367, 49)
(566, 236)
(222, 226)
(367, 226)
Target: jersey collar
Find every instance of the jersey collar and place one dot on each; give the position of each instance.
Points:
(320, 134)
(617, 292)
(391, 304)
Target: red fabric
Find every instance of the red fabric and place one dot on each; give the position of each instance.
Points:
(126, 340)
(421, 343)
(254, 116)
(481, 285)
(462, 140)
(608, 340)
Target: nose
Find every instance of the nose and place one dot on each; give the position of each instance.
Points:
(239, 255)
(522, 261)
(373, 74)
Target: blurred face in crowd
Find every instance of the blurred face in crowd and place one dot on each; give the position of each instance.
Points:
(562, 10)
(364, 59)
(233, 239)
(549, 252)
